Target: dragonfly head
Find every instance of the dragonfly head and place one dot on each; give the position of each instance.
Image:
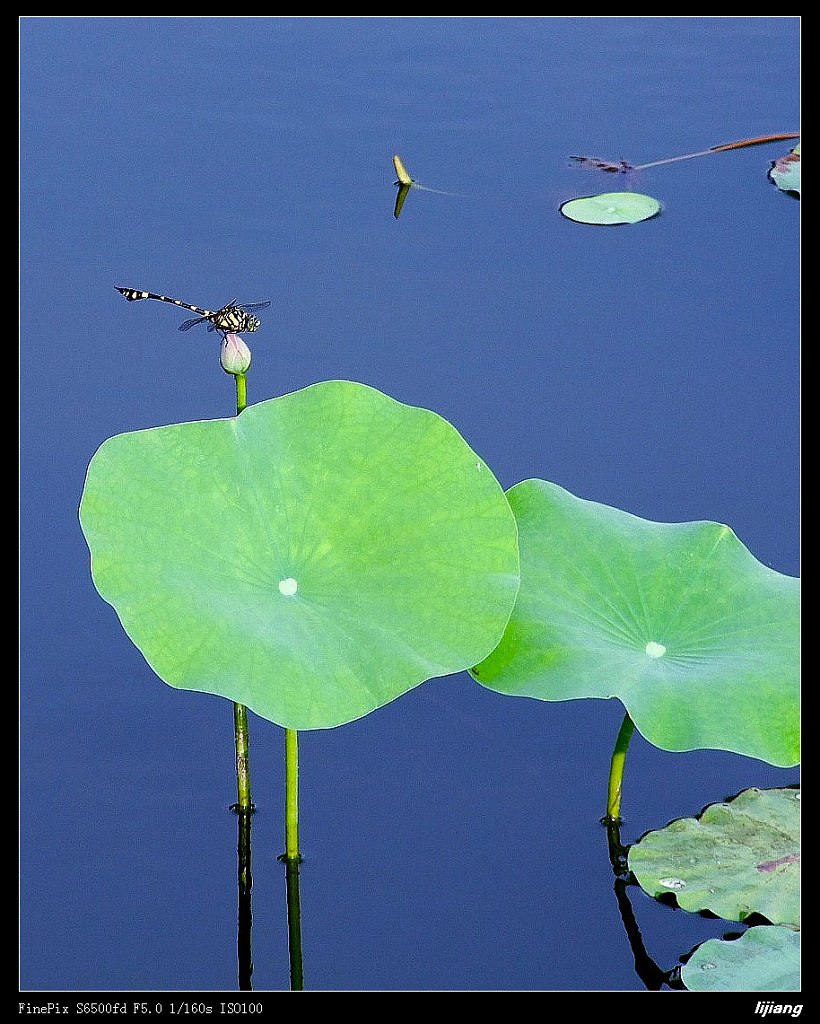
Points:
(254, 323)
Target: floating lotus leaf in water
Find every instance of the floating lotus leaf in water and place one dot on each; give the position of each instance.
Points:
(611, 208)
(313, 558)
(695, 636)
(785, 172)
(736, 859)
(763, 959)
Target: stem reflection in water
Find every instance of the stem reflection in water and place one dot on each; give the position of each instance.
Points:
(245, 884)
(297, 978)
(653, 976)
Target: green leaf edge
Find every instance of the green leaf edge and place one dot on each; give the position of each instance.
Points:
(713, 950)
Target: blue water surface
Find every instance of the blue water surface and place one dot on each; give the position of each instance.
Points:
(451, 839)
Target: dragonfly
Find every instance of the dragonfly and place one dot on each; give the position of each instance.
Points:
(232, 318)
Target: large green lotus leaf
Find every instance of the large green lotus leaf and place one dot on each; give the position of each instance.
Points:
(313, 558)
(695, 636)
(611, 208)
(736, 859)
(785, 171)
(763, 959)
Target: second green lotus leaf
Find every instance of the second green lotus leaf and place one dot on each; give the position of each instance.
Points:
(313, 558)
(738, 858)
(697, 638)
(763, 959)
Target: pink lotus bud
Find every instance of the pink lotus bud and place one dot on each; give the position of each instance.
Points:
(235, 356)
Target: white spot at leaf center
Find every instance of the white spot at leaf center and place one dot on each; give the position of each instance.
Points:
(653, 650)
(288, 587)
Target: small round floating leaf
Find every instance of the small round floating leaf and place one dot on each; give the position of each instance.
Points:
(738, 858)
(611, 208)
(764, 959)
(313, 558)
(697, 638)
(785, 172)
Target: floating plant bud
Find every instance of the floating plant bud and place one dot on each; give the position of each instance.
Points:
(235, 355)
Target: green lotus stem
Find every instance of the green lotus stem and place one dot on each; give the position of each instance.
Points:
(292, 858)
(241, 391)
(616, 769)
(240, 712)
(292, 796)
(244, 804)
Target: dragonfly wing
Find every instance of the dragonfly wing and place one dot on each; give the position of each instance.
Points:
(192, 323)
(201, 319)
(250, 306)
